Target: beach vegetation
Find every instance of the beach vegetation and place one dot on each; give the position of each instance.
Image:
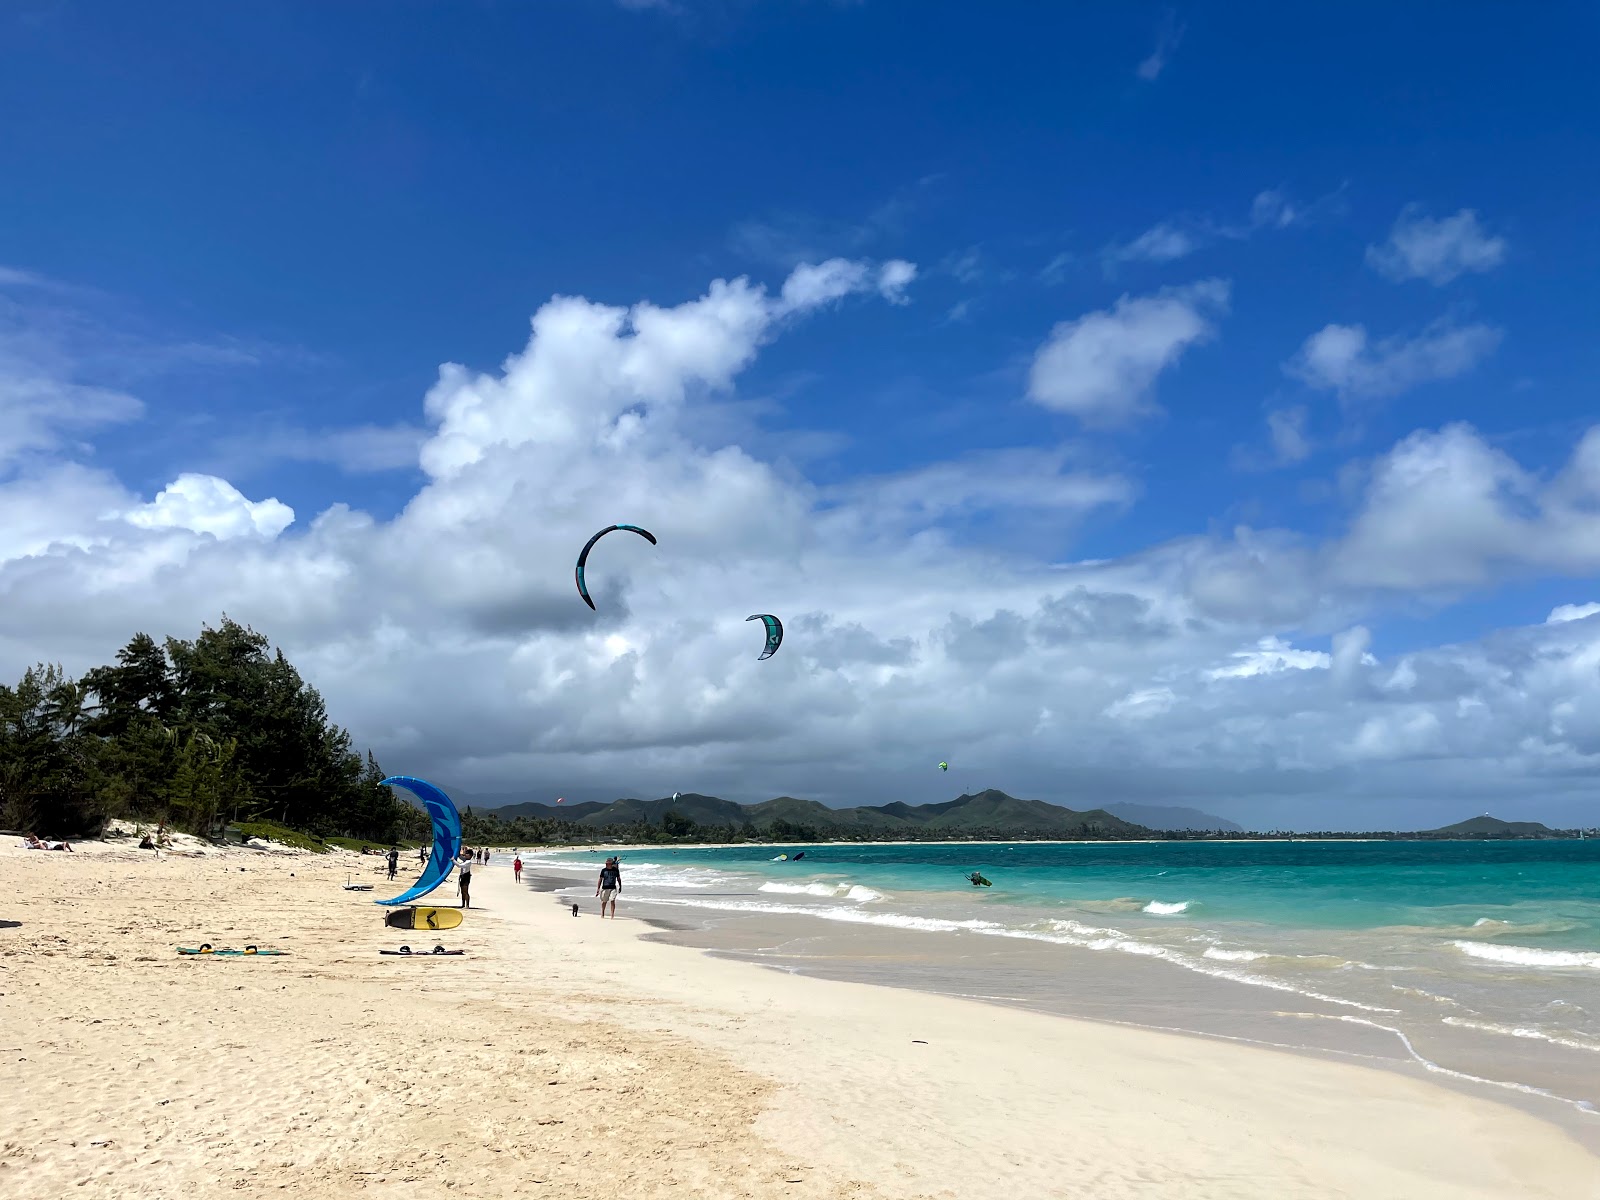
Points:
(199, 734)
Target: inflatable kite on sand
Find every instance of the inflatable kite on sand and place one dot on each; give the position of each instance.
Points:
(583, 555)
(446, 837)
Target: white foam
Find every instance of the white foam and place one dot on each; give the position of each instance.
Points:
(828, 891)
(1428, 1064)
(801, 889)
(1523, 1031)
(1057, 932)
(1527, 956)
(1161, 908)
(1235, 955)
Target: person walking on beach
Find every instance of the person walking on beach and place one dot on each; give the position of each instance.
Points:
(516, 868)
(464, 879)
(609, 884)
(394, 861)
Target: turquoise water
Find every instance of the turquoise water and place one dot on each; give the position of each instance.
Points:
(1477, 959)
(1548, 891)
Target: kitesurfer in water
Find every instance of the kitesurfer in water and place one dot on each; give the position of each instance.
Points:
(608, 885)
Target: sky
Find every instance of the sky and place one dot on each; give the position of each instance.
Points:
(1119, 402)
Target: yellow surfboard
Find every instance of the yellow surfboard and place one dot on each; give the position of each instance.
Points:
(423, 918)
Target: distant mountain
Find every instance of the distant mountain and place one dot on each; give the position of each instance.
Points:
(988, 812)
(534, 808)
(1487, 826)
(1160, 816)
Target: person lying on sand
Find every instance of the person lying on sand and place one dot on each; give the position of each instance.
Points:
(32, 842)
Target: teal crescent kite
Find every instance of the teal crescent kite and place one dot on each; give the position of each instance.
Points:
(774, 633)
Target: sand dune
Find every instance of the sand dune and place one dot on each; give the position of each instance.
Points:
(569, 1058)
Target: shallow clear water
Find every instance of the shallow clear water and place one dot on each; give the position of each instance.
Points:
(1480, 956)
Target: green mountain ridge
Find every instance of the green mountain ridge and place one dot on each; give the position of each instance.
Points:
(991, 811)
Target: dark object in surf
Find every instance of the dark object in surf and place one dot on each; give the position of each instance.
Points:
(799, 856)
(978, 880)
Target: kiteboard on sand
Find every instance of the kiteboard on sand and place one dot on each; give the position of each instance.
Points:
(407, 952)
(422, 917)
(206, 949)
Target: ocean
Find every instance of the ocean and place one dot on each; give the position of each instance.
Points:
(1475, 962)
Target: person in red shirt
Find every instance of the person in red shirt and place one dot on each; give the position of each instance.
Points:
(516, 868)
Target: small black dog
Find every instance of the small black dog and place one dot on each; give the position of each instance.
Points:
(574, 910)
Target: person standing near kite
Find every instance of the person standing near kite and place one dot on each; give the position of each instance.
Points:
(608, 885)
(394, 860)
(464, 879)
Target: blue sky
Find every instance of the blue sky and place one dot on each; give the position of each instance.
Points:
(268, 227)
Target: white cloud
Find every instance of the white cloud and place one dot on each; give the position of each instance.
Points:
(1287, 429)
(1269, 655)
(1102, 367)
(1160, 243)
(966, 266)
(1447, 510)
(1168, 34)
(1437, 250)
(1013, 481)
(206, 504)
(893, 279)
(40, 413)
(1571, 612)
(1341, 358)
(1206, 669)
(1271, 209)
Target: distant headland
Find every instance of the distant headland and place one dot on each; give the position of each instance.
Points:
(989, 815)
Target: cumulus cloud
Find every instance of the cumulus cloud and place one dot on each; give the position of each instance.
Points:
(1102, 367)
(1342, 359)
(1437, 250)
(1229, 670)
(206, 504)
(1446, 509)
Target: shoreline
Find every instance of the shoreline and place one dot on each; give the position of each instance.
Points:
(633, 847)
(584, 1059)
(1060, 977)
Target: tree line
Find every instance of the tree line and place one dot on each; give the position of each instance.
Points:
(194, 733)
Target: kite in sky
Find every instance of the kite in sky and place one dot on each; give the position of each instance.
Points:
(774, 633)
(583, 555)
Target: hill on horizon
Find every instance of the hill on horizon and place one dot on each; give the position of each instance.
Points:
(1492, 825)
(1172, 817)
(991, 811)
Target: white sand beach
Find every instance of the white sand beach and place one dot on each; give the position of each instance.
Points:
(568, 1057)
